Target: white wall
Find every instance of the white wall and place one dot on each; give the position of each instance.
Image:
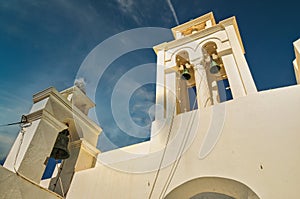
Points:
(258, 146)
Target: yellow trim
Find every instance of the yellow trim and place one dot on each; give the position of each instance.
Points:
(215, 27)
(232, 21)
(199, 20)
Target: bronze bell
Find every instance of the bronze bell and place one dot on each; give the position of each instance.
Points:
(60, 150)
(186, 74)
(214, 67)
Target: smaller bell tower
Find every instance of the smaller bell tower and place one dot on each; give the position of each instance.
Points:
(204, 65)
(60, 132)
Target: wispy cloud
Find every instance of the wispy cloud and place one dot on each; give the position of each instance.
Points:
(12, 106)
(142, 12)
(173, 11)
(128, 7)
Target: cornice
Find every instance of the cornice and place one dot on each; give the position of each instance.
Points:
(43, 114)
(186, 39)
(82, 143)
(232, 21)
(90, 148)
(201, 19)
(62, 100)
(201, 34)
(43, 94)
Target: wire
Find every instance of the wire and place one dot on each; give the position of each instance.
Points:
(164, 152)
(182, 146)
(19, 147)
(23, 121)
(179, 155)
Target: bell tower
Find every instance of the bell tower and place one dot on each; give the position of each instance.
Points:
(204, 65)
(60, 129)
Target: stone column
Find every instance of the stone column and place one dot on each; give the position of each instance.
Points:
(202, 86)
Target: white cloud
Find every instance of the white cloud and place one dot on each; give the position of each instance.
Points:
(126, 5)
(129, 7)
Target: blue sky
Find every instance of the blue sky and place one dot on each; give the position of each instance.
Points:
(43, 43)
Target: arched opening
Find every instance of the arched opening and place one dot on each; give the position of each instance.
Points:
(207, 187)
(185, 83)
(216, 74)
(62, 169)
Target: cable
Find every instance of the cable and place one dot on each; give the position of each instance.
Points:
(23, 126)
(19, 147)
(179, 154)
(163, 155)
(23, 121)
(182, 146)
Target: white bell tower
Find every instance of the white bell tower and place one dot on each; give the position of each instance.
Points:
(205, 60)
(51, 113)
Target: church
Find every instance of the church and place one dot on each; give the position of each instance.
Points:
(215, 136)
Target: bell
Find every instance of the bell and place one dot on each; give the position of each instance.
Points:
(60, 150)
(186, 74)
(214, 67)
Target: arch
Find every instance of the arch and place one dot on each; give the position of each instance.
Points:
(217, 76)
(204, 185)
(195, 51)
(185, 81)
(74, 129)
(215, 40)
(182, 57)
(187, 49)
